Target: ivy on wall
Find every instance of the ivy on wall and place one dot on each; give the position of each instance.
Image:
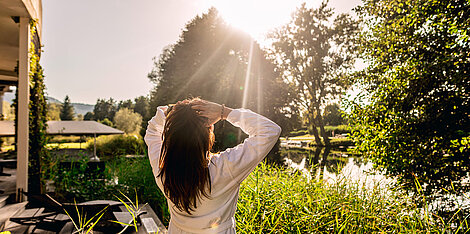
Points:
(37, 117)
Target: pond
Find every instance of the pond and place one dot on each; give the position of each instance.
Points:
(331, 164)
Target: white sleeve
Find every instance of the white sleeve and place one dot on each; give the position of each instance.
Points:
(153, 138)
(262, 136)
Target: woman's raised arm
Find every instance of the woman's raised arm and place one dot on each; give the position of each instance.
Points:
(153, 137)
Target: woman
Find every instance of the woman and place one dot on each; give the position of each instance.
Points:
(202, 189)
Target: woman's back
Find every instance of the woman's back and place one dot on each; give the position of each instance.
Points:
(215, 213)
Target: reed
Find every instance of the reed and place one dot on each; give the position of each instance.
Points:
(275, 200)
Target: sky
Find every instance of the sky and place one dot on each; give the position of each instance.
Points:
(104, 49)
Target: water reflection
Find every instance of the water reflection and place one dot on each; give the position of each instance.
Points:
(332, 164)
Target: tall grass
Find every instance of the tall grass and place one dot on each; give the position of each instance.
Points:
(274, 200)
(135, 174)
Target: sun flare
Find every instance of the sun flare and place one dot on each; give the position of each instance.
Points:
(256, 17)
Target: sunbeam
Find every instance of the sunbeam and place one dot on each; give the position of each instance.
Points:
(206, 63)
(247, 76)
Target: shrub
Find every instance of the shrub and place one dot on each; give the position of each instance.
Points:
(339, 129)
(136, 174)
(79, 181)
(299, 132)
(128, 121)
(112, 146)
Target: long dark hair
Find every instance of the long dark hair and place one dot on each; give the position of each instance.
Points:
(184, 161)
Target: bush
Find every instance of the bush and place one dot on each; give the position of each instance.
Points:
(135, 174)
(112, 146)
(340, 129)
(79, 181)
(67, 139)
(299, 132)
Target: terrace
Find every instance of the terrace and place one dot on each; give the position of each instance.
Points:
(22, 211)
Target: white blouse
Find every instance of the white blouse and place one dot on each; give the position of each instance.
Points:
(227, 170)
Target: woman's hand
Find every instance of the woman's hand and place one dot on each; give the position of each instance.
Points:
(211, 110)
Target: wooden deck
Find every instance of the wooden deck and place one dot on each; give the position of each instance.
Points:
(57, 223)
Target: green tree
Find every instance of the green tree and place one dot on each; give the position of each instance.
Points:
(333, 115)
(125, 104)
(142, 106)
(127, 120)
(313, 53)
(67, 112)
(53, 111)
(89, 116)
(219, 63)
(105, 109)
(416, 120)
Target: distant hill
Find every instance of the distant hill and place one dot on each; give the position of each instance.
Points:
(53, 100)
(79, 108)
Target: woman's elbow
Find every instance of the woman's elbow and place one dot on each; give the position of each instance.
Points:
(279, 130)
(276, 131)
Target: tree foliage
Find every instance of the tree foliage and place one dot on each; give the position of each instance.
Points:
(125, 104)
(142, 105)
(53, 111)
(67, 112)
(219, 63)
(127, 120)
(333, 115)
(89, 116)
(416, 120)
(313, 53)
(104, 109)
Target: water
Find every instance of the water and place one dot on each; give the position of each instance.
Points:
(337, 164)
(331, 164)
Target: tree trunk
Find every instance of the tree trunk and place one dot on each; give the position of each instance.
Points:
(314, 130)
(326, 140)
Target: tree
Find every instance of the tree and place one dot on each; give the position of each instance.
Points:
(416, 120)
(128, 121)
(332, 115)
(67, 112)
(89, 116)
(125, 104)
(142, 106)
(219, 63)
(313, 53)
(105, 109)
(53, 111)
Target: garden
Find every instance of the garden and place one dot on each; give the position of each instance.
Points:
(384, 148)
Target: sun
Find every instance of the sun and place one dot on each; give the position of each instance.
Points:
(256, 17)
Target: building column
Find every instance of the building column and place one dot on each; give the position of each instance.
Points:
(1, 106)
(22, 146)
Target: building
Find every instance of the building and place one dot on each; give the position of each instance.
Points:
(15, 41)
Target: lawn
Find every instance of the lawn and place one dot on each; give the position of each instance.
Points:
(73, 145)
